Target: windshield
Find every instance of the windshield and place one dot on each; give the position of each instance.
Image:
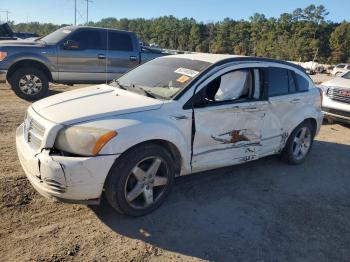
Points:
(347, 75)
(57, 36)
(162, 78)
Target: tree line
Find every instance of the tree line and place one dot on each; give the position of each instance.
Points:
(302, 35)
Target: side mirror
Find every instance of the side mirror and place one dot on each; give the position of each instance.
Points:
(201, 101)
(71, 45)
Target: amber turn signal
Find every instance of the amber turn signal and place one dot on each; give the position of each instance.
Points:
(102, 141)
(3, 55)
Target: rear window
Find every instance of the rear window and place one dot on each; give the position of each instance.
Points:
(278, 81)
(303, 83)
(119, 41)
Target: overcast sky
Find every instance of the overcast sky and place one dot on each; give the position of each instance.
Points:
(62, 11)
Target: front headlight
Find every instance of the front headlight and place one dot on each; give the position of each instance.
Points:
(85, 141)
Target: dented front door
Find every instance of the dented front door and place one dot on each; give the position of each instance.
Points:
(227, 134)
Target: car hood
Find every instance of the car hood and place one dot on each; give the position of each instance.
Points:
(91, 103)
(338, 82)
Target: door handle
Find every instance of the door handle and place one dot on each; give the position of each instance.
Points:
(133, 58)
(101, 56)
(295, 101)
(251, 109)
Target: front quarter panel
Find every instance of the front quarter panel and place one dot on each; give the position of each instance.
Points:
(137, 128)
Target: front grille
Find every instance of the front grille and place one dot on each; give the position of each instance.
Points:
(336, 112)
(339, 94)
(33, 132)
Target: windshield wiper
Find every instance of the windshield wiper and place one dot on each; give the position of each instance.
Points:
(119, 85)
(149, 93)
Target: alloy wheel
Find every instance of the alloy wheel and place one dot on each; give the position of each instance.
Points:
(146, 182)
(302, 143)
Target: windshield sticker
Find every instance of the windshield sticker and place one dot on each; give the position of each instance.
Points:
(186, 72)
(183, 79)
(66, 32)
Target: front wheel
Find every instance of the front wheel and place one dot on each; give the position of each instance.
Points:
(29, 83)
(140, 180)
(299, 144)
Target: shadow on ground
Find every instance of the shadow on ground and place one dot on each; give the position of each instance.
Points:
(264, 210)
(54, 92)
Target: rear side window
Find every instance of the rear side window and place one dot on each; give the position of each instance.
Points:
(278, 81)
(119, 41)
(88, 39)
(303, 83)
(292, 85)
(348, 67)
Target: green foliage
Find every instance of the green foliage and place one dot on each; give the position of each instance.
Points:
(296, 36)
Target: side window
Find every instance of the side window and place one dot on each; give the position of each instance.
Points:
(88, 39)
(340, 66)
(348, 67)
(292, 85)
(119, 41)
(235, 85)
(302, 82)
(278, 81)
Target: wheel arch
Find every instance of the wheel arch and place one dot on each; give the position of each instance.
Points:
(313, 123)
(29, 63)
(169, 146)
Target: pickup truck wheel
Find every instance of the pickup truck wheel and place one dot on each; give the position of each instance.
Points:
(140, 180)
(299, 144)
(29, 83)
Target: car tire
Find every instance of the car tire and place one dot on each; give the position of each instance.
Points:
(131, 179)
(29, 83)
(338, 74)
(298, 146)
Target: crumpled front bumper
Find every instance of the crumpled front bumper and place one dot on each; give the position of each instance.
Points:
(66, 179)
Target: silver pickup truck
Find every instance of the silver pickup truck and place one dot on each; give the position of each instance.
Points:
(70, 55)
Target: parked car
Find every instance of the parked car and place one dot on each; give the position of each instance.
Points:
(340, 69)
(6, 33)
(170, 117)
(336, 98)
(72, 54)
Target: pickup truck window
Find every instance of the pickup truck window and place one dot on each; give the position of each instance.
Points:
(88, 39)
(162, 77)
(57, 35)
(119, 41)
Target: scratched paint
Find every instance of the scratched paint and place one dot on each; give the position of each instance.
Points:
(237, 136)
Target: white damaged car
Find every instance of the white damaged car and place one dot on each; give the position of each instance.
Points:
(173, 116)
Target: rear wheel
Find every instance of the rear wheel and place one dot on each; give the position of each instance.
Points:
(338, 74)
(299, 144)
(140, 180)
(29, 83)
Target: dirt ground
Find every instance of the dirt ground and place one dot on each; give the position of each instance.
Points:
(259, 211)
